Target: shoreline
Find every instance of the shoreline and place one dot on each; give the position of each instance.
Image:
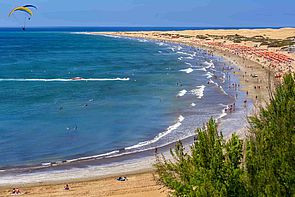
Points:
(111, 155)
(246, 86)
(241, 60)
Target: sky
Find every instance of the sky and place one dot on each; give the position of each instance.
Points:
(160, 13)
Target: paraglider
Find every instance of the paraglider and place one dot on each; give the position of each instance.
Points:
(22, 13)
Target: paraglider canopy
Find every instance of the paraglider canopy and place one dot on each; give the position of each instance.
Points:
(30, 6)
(23, 9)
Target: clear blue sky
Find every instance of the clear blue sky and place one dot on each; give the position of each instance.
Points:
(202, 13)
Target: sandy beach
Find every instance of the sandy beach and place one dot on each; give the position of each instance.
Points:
(255, 72)
(256, 69)
(136, 185)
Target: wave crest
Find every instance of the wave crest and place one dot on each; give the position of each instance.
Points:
(66, 80)
(160, 135)
(199, 91)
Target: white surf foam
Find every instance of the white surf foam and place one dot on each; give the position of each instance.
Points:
(185, 53)
(187, 70)
(189, 58)
(93, 34)
(160, 135)
(142, 40)
(223, 114)
(181, 93)
(221, 88)
(111, 36)
(171, 48)
(209, 64)
(161, 43)
(94, 156)
(209, 75)
(67, 80)
(179, 48)
(199, 91)
(202, 69)
(187, 63)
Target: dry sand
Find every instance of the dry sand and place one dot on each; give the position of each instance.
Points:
(271, 33)
(145, 184)
(142, 185)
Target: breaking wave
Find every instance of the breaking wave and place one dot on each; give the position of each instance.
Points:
(160, 135)
(199, 91)
(67, 80)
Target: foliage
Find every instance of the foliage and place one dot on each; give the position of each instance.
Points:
(261, 165)
(270, 150)
(212, 168)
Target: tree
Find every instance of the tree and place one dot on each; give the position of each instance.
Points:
(270, 160)
(211, 168)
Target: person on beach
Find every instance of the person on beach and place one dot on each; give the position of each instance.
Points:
(13, 191)
(245, 103)
(66, 187)
(124, 178)
(17, 191)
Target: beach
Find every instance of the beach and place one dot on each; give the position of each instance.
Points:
(219, 42)
(255, 73)
(142, 184)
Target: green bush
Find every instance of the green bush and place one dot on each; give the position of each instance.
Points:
(261, 165)
(270, 157)
(211, 169)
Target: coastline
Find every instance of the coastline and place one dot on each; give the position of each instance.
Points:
(247, 85)
(264, 69)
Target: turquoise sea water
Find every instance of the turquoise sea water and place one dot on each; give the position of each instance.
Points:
(134, 94)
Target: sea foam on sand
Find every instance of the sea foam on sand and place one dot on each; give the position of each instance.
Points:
(181, 93)
(199, 91)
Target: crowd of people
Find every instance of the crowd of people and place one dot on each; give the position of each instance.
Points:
(278, 62)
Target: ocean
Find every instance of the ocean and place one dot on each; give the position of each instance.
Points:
(67, 95)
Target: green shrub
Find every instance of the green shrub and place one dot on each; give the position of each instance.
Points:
(214, 167)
